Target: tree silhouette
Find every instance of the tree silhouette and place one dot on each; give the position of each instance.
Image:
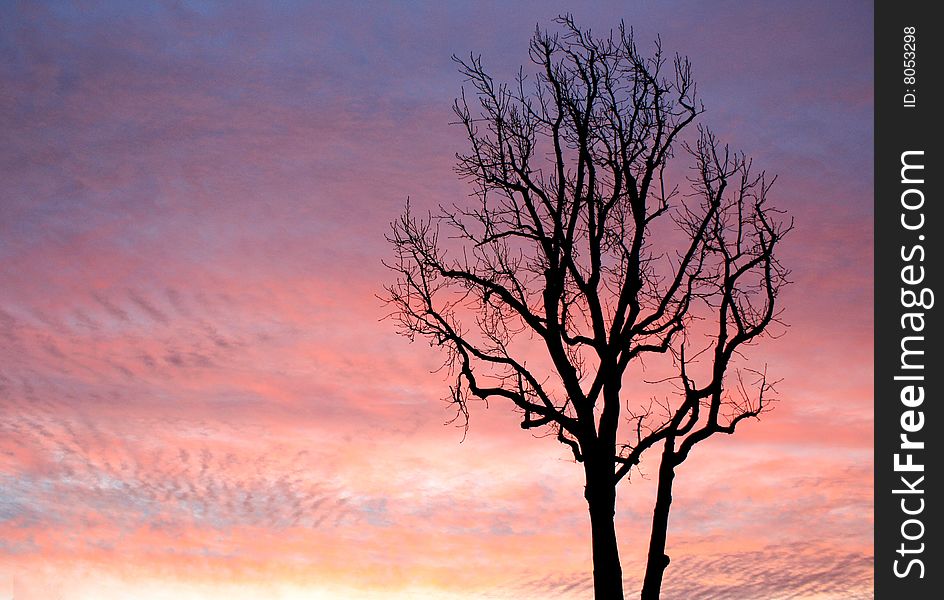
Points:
(578, 255)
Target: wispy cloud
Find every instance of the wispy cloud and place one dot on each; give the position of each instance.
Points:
(195, 382)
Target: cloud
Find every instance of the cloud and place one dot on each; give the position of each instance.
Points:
(195, 383)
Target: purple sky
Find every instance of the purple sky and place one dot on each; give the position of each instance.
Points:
(192, 220)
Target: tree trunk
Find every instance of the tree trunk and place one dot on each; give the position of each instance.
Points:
(658, 560)
(601, 500)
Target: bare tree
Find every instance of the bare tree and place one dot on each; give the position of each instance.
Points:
(579, 254)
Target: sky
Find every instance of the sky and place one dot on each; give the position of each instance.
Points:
(199, 397)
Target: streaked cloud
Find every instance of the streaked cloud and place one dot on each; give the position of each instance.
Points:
(198, 396)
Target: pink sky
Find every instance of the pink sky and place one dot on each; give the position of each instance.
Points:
(198, 398)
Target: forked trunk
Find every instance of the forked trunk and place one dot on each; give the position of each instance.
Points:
(601, 500)
(658, 560)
